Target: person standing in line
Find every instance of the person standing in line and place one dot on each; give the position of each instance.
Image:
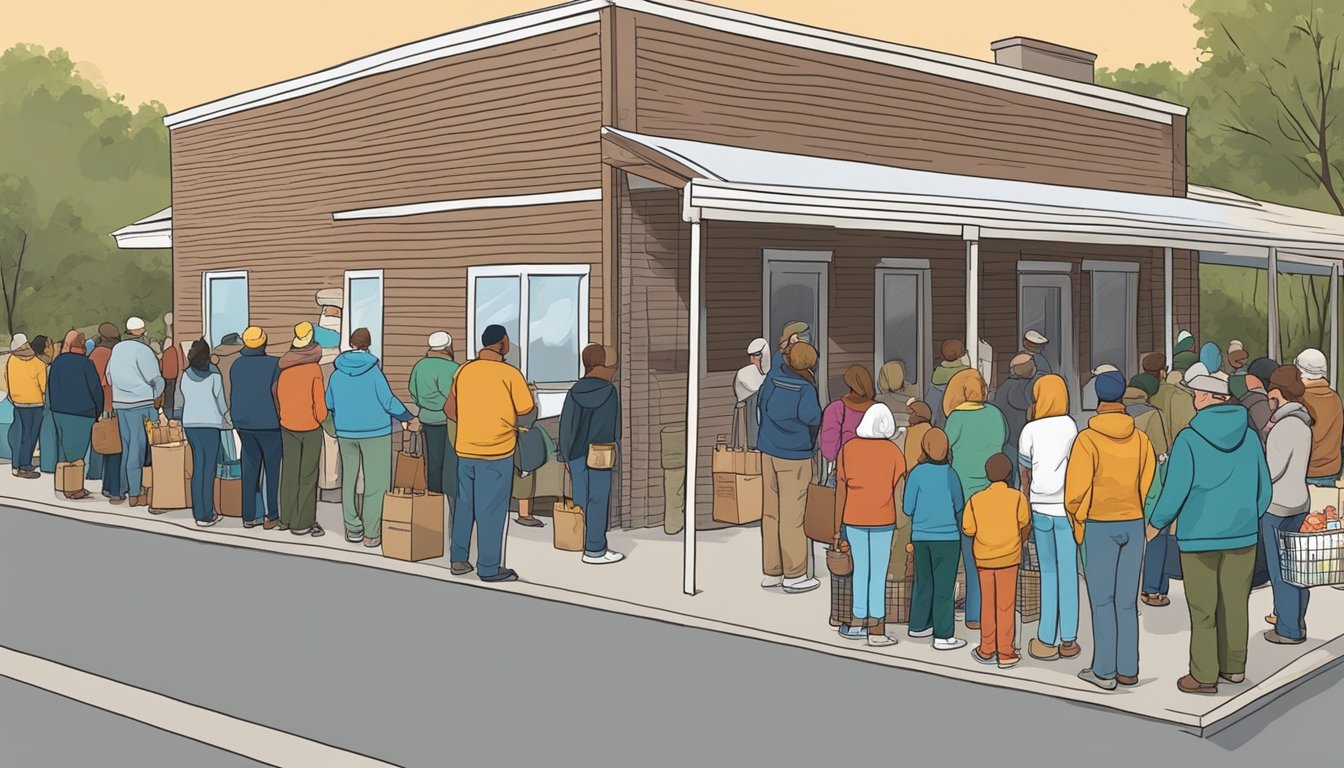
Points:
(108, 337)
(255, 415)
(362, 406)
(26, 382)
(327, 335)
(1147, 419)
(205, 419)
(840, 420)
(1014, 397)
(1043, 453)
(133, 373)
(1288, 455)
(1183, 355)
(896, 392)
(46, 441)
(1249, 389)
(746, 384)
(431, 380)
(76, 398)
(1172, 400)
(869, 470)
(1327, 414)
(1110, 469)
(1034, 343)
(934, 502)
(591, 416)
(920, 424)
(953, 353)
(1236, 358)
(790, 421)
(976, 431)
(300, 398)
(1216, 489)
(487, 399)
(998, 520)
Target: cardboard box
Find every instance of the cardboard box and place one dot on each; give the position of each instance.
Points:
(164, 434)
(567, 526)
(228, 497)
(735, 461)
(412, 525)
(737, 498)
(70, 476)
(171, 475)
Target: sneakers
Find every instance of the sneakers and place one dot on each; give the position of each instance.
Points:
(208, 523)
(461, 568)
(255, 523)
(880, 641)
(1069, 648)
(772, 582)
(1105, 684)
(992, 659)
(317, 531)
(853, 633)
(948, 643)
(920, 632)
(1277, 639)
(1008, 662)
(269, 524)
(1042, 651)
(300, 531)
(606, 558)
(353, 538)
(1235, 679)
(801, 584)
(27, 474)
(505, 574)
(371, 543)
(1189, 684)
(116, 501)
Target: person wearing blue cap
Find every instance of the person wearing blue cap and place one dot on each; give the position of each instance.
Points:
(487, 400)
(1111, 468)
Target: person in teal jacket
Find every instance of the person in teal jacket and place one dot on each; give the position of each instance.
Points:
(934, 502)
(431, 379)
(1215, 488)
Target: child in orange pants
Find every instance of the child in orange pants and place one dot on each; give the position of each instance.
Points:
(998, 519)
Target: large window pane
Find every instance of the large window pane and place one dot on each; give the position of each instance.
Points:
(1041, 310)
(1232, 305)
(366, 309)
(1304, 314)
(553, 328)
(1113, 321)
(227, 302)
(901, 331)
(497, 303)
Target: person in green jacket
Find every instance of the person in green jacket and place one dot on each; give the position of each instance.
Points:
(953, 362)
(975, 431)
(1215, 488)
(431, 378)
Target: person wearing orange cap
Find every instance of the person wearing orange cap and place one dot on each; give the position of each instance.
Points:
(301, 401)
(253, 380)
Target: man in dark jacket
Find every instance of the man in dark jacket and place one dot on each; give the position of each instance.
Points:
(253, 378)
(1249, 389)
(592, 415)
(1014, 395)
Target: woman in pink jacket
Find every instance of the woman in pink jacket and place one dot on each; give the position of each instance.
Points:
(842, 417)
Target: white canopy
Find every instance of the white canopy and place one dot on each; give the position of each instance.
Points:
(153, 231)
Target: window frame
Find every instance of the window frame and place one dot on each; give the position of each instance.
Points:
(1131, 273)
(209, 276)
(346, 329)
(921, 270)
(524, 272)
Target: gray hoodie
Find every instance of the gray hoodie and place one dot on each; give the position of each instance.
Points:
(1288, 449)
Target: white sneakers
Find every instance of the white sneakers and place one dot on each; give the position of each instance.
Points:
(921, 633)
(880, 641)
(772, 582)
(801, 584)
(948, 643)
(606, 558)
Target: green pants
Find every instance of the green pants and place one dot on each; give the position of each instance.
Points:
(935, 587)
(301, 454)
(1218, 589)
(372, 456)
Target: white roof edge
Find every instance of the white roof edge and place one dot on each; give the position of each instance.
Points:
(153, 231)
(580, 12)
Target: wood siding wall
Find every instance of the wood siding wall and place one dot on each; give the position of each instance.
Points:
(702, 84)
(256, 190)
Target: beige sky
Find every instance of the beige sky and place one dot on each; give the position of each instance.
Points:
(170, 51)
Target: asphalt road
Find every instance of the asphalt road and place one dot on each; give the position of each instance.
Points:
(419, 672)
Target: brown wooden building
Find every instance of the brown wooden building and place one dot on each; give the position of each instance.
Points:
(677, 179)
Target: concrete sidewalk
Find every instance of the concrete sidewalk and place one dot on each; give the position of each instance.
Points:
(648, 584)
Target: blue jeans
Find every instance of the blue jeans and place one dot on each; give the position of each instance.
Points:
(93, 465)
(114, 482)
(1058, 554)
(72, 437)
(1290, 602)
(871, 548)
(483, 490)
(204, 444)
(592, 492)
(1114, 558)
(134, 446)
(972, 576)
(23, 435)
(1328, 481)
(1156, 576)
(261, 462)
(47, 441)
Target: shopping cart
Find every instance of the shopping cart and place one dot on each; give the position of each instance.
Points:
(1312, 559)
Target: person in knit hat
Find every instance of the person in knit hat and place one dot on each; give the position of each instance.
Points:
(1236, 356)
(1323, 403)
(431, 380)
(1250, 388)
(1212, 358)
(253, 380)
(26, 382)
(1183, 354)
(300, 398)
(133, 373)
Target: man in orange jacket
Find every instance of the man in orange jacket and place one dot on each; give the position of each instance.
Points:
(301, 400)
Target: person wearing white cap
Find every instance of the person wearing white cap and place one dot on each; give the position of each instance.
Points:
(431, 380)
(746, 384)
(1033, 343)
(136, 381)
(1089, 395)
(26, 382)
(1327, 429)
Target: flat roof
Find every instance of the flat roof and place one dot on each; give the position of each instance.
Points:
(580, 12)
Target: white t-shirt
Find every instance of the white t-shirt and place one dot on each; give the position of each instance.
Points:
(748, 382)
(1044, 449)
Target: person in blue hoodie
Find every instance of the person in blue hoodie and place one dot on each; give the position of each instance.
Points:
(362, 407)
(1216, 488)
(790, 412)
(252, 381)
(592, 415)
(933, 499)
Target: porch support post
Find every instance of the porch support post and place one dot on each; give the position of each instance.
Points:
(1334, 325)
(1168, 306)
(1272, 304)
(692, 409)
(972, 237)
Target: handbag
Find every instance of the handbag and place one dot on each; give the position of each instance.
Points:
(819, 511)
(410, 473)
(107, 437)
(839, 561)
(567, 533)
(601, 455)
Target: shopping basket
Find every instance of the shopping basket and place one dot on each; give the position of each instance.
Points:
(1312, 559)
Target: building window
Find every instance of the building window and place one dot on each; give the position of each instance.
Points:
(550, 302)
(364, 307)
(903, 328)
(1115, 298)
(224, 295)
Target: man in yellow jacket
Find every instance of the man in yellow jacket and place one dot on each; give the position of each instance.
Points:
(1111, 467)
(26, 380)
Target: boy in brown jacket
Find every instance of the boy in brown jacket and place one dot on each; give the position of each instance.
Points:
(999, 520)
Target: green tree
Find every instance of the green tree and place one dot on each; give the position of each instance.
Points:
(76, 163)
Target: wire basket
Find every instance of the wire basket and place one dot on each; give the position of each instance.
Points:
(1312, 559)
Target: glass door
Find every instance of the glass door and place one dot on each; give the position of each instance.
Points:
(796, 288)
(1045, 304)
(903, 329)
